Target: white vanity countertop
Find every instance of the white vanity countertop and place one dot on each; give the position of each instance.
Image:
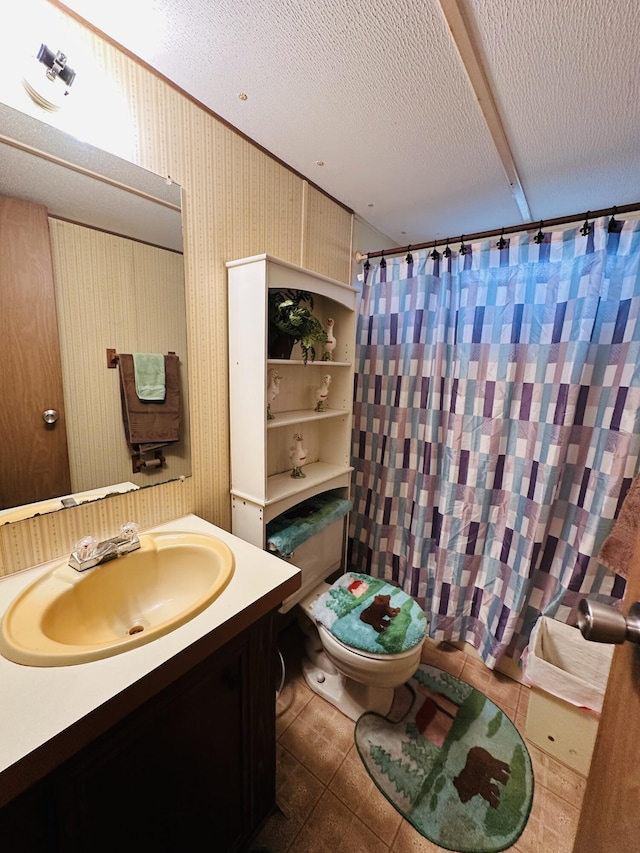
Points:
(38, 703)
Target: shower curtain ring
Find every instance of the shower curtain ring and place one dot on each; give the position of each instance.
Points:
(501, 242)
(614, 226)
(539, 236)
(435, 255)
(447, 251)
(383, 262)
(586, 228)
(463, 248)
(367, 263)
(409, 257)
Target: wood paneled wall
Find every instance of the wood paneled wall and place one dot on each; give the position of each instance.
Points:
(237, 201)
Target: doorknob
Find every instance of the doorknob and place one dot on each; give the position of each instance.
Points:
(50, 416)
(603, 624)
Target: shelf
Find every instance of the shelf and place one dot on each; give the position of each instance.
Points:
(279, 362)
(260, 446)
(286, 275)
(299, 416)
(282, 486)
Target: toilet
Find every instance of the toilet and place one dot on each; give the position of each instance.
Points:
(349, 662)
(352, 664)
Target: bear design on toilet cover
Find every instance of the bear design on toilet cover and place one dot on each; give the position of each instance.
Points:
(371, 614)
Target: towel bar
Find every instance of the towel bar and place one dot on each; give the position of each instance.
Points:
(113, 357)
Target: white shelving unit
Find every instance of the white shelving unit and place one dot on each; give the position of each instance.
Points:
(261, 483)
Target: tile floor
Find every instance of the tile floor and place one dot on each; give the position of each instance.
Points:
(327, 802)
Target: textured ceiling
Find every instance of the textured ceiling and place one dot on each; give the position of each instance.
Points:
(377, 91)
(129, 201)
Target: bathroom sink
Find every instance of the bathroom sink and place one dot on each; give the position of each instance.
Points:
(68, 617)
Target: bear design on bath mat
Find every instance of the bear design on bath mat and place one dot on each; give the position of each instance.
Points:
(474, 792)
(477, 775)
(379, 613)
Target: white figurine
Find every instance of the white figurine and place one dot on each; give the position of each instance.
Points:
(330, 345)
(273, 389)
(298, 456)
(322, 393)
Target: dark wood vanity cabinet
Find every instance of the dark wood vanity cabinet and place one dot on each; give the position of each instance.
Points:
(192, 769)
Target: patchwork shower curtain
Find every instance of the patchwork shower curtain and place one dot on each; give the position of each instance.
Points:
(496, 427)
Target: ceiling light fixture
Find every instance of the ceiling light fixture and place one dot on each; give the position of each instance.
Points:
(56, 65)
(38, 88)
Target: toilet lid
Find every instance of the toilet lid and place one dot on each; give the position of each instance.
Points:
(371, 614)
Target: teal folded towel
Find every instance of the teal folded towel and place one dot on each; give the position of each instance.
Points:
(148, 368)
(291, 529)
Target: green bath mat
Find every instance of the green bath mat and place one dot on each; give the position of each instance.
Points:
(455, 766)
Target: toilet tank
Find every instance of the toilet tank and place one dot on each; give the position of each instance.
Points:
(317, 558)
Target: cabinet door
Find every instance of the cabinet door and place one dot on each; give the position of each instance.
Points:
(192, 770)
(150, 782)
(27, 824)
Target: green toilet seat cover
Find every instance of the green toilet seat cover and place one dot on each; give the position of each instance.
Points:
(371, 614)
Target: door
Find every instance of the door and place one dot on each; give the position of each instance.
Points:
(609, 816)
(34, 461)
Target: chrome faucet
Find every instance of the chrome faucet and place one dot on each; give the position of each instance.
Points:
(89, 552)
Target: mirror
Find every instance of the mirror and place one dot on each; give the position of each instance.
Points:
(115, 232)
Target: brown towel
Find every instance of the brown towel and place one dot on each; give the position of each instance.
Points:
(619, 545)
(149, 425)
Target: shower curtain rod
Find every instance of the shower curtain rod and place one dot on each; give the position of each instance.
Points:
(512, 229)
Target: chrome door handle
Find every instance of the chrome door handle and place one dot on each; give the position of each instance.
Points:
(603, 624)
(50, 416)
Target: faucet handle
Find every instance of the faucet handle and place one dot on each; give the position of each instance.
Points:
(129, 531)
(86, 547)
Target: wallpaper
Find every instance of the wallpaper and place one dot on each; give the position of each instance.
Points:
(237, 202)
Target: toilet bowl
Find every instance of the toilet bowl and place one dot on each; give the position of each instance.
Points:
(352, 679)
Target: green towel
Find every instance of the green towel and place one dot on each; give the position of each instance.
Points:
(288, 531)
(148, 368)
